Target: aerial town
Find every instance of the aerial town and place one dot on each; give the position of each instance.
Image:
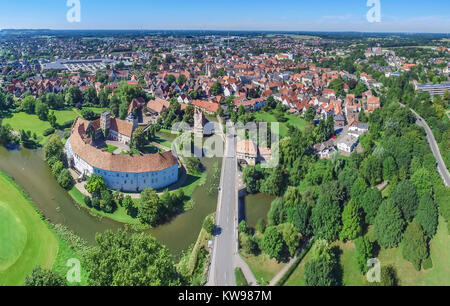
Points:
(139, 158)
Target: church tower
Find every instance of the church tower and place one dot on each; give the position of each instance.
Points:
(199, 122)
(105, 124)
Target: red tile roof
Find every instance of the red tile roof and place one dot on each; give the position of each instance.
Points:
(118, 163)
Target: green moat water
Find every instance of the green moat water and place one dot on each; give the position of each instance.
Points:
(30, 171)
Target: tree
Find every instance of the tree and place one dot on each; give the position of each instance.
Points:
(427, 215)
(250, 245)
(252, 177)
(321, 268)
(260, 226)
(274, 184)
(208, 225)
(389, 168)
(44, 278)
(371, 170)
(181, 79)
(243, 227)
(326, 219)
(149, 207)
(107, 203)
(364, 251)
(28, 105)
(388, 277)
(193, 165)
(276, 214)
(41, 110)
(65, 179)
(291, 237)
(415, 246)
(103, 98)
(358, 191)
(95, 185)
(90, 96)
(171, 79)
(351, 221)
(272, 243)
(54, 148)
(216, 89)
(52, 120)
(309, 115)
(423, 181)
(389, 224)
(124, 259)
(128, 204)
(405, 197)
(139, 139)
(371, 202)
(74, 96)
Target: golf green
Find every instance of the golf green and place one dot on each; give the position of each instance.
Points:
(13, 237)
(25, 239)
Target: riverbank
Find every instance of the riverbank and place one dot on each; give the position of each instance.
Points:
(26, 239)
(187, 182)
(29, 169)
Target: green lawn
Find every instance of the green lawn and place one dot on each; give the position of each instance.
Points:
(297, 277)
(120, 215)
(438, 275)
(264, 269)
(26, 122)
(294, 120)
(25, 239)
(97, 110)
(63, 116)
(163, 141)
(240, 278)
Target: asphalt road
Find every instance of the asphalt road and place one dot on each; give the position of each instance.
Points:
(434, 148)
(225, 243)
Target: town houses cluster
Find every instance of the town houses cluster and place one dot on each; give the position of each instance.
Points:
(208, 72)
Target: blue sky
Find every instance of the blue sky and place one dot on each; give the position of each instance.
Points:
(295, 15)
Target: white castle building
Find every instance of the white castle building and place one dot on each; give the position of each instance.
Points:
(128, 173)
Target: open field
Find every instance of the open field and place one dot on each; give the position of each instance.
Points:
(438, 275)
(294, 120)
(27, 122)
(25, 240)
(63, 116)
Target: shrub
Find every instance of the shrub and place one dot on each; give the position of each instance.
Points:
(57, 167)
(65, 179)
(96, 203)
(243, 227)
(209, 225)
(260, 225)
(87, 201)
(48, 131)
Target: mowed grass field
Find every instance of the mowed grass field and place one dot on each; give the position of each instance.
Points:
(294, 120)
(27, 122)
(25, 239)
(438, 275)
(264, 269)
